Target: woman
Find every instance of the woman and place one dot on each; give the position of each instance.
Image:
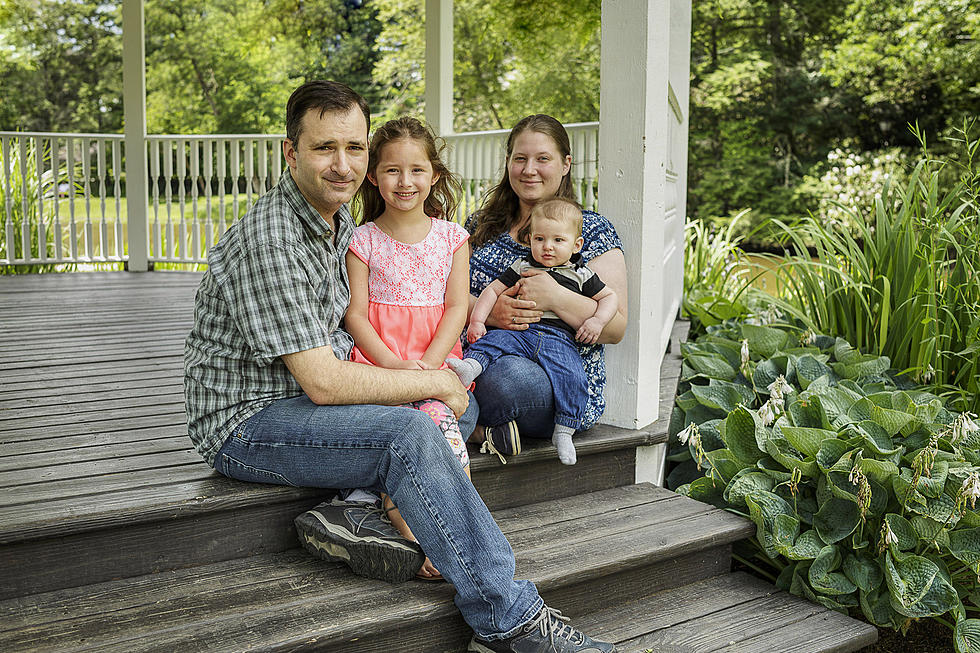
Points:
(514, 393)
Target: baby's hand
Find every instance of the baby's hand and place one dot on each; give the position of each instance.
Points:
(475, 331)
(589, 331)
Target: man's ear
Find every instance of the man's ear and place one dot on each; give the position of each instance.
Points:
(289, 151)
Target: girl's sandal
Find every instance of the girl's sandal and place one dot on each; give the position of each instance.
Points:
(419, 575)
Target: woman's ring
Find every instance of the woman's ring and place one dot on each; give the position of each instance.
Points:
(514, 320)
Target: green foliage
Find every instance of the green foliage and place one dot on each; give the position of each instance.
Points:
(61, 66)
(31, 226)
(906, 283)
(862, 487)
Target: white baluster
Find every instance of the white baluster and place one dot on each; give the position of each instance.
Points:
(58, 235)
(117, 195)
(235, 173)
(195, 156)
(222, 160)
(249, 168)
(42, 229)
(168, 174)
(73, 231)
(100, 145)
(208, 174)
(25, 223)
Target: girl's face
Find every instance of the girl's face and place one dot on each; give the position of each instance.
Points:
(403, 176)
(535, 167)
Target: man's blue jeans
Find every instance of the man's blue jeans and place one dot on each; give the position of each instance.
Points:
(554, 351)
(402, 452)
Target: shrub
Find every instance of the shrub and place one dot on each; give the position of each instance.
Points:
(861, 485)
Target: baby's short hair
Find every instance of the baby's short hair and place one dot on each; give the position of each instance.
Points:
(560, 209)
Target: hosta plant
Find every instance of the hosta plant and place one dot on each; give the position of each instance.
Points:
(862, 486)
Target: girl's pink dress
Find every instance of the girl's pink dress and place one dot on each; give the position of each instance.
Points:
(407, 286)
(407, 299)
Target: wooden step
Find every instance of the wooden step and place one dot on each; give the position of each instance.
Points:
(162, 511)
(587, 553)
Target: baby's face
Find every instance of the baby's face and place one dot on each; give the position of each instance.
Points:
(553, 241)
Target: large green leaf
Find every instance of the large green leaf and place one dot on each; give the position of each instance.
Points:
(876, 606)
(903, 530)
(966, 636)
(712, 366)
(775, 521)
(806, 439)
(764, 341)
(808, 412)
(917, 586)
(836, 519)
(880, 471)
(830, 453)
(705, 490)
(723, 463)
(835, 400)
(861, 367)
(892, 421)
(823, 575)
(766, 372)
(806, 547)
(783, 453)
(742, 434)
(964, 544)
(863, 571)
(745, 482)
(809, 369)
(723, 395)
(873, 438)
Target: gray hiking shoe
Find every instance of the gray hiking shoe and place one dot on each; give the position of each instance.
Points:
(360, 535)
(547, 632)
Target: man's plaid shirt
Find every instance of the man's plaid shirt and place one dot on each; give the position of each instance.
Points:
(276, 284)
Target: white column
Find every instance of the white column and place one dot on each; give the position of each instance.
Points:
(633, 146)
(439, 65)
(134, 116)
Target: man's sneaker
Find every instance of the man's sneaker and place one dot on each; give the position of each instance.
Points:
(503, 440)
(360, 535)
(547, 632)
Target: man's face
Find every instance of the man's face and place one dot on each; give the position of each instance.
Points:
(330, 159)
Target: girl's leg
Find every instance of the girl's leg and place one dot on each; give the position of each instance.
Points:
(446, 421)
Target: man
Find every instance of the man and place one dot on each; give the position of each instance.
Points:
(272, 398)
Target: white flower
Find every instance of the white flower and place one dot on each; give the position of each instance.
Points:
(690, 431)
(745, 352)
(927, 374)
(968, 425)
(768, 413)
(970, 490)
(890, 537)
(779, 388)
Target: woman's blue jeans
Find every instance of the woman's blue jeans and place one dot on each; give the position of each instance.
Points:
(402, 452)
(515, 388)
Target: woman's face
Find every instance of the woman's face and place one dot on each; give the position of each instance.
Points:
(536, 167)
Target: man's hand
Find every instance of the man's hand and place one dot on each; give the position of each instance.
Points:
(589, 331)
(454, 394)
(475, 331)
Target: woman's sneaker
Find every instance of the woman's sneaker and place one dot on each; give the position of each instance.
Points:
(360, 535)
(503, 440)
(547, 632)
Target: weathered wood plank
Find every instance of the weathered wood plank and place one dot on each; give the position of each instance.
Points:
(46, 476)
(68, 442)
(40, 460)
(20, 434)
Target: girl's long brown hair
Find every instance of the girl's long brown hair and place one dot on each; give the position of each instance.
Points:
(442, 199)
(501, 208)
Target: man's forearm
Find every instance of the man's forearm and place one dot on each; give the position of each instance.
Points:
(327, 380)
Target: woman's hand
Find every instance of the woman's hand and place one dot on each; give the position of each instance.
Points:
(537, 286)
(512, 313)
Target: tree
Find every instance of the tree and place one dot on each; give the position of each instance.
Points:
(61, 65)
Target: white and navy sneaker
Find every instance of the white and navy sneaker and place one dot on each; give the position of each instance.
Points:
(360, 535)
(547, 632)
(503, 440)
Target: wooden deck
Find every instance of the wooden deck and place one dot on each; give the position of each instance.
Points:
(115, 535)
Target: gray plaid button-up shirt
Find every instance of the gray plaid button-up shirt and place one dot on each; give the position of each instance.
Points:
(276, 284)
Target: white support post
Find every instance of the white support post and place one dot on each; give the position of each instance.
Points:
(633, 146)
(439, 65)
(134, 115)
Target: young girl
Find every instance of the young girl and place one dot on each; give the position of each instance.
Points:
(409, 272)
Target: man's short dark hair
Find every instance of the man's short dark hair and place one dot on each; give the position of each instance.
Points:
(323, 96)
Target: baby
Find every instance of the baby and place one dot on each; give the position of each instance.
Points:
(556, 238)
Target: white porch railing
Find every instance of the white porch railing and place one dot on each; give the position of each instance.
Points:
(62, 195)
